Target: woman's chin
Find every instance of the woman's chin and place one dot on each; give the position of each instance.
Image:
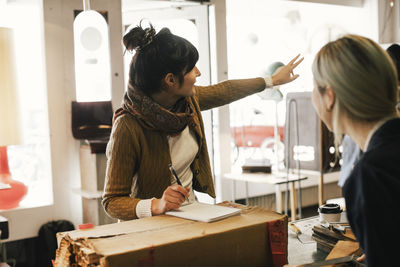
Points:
(193, 91)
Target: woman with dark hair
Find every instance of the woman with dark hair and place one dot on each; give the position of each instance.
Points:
(160, 124)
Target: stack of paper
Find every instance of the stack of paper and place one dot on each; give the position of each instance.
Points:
(204, 212)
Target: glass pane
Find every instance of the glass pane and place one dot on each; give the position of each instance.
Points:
(30, 162)
(275, 31)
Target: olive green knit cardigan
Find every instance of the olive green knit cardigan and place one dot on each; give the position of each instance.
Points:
(135, 149)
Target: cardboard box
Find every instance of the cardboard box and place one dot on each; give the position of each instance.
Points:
(257, 237)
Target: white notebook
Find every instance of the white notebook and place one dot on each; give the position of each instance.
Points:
(203, 212)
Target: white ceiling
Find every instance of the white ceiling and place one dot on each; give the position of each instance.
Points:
(130, 5)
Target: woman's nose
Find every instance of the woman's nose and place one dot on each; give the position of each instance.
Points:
(198, 73)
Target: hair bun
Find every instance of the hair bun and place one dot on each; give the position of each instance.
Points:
(138, 38)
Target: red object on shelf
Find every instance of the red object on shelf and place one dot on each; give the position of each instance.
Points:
(254, 135)
(85, 226)
(9, 197)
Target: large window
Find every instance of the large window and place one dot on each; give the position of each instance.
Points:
(30, 161)
(264, 32)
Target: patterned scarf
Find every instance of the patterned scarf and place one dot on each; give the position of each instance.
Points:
(154, 116)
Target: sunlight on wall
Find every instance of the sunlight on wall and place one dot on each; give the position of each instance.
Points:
(30, 162)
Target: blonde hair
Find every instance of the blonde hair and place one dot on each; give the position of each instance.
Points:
(363, 77)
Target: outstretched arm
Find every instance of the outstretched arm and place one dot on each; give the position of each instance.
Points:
(228, 91)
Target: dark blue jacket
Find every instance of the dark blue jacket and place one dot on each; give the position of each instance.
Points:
(372, 194)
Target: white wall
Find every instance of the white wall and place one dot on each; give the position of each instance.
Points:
(223, 188)
(388, 26)
(58, 17)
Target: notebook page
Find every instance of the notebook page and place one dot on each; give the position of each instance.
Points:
(203, 212)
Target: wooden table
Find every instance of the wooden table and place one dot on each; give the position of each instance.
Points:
(276, 179)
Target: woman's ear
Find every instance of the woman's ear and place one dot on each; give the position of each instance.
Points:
(170, 80)
(329, 98)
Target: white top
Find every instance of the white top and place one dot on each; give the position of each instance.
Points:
(350, 155)
(183, 149)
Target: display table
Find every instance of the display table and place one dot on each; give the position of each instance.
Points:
(276, 179)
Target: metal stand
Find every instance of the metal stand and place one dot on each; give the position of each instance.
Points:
(321, 170)
(288, 154)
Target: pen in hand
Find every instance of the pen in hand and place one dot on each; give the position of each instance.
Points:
(176, 176)
(174, 173)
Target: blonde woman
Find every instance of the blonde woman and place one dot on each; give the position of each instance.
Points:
(351, 152)
(355, 94)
